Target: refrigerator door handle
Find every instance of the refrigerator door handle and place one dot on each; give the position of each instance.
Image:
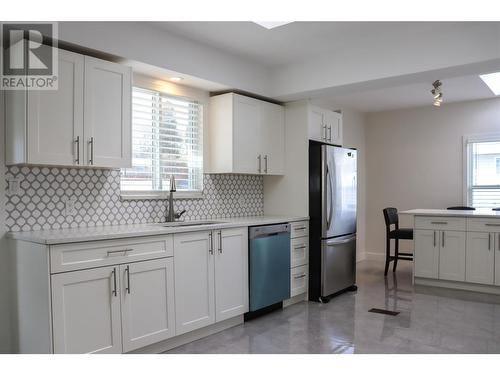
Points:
(337, 241)
(329, 201)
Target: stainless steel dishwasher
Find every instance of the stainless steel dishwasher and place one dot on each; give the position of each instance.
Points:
(269, 263)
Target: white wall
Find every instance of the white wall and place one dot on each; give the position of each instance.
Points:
(152, 45)
(414, 159)
(354, 136)
(4, 259)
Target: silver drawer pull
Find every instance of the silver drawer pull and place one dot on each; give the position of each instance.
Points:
(123, 252)
(300, 247)
(300, 276)
(439, 222)
(492, 225)
(300, 228)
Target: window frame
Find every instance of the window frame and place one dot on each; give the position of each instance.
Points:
(188, 93)
(467, 162)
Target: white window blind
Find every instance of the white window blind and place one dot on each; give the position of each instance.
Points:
(483, 176)
(167, 138)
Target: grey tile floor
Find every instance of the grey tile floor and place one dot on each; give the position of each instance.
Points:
(431, 320)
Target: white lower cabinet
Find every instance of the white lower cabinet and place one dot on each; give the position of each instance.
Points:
(452, 256)
(147, 302)
(211, 277)
(480, 258)
(231, 273)
(497, 259)
(86, 311)
(426, 253)
(194, 280)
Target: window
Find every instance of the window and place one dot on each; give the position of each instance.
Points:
(167, 138)
(483, 172)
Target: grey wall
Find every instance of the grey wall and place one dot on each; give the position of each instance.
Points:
(354, 136)
(4, 269)
(414, 159)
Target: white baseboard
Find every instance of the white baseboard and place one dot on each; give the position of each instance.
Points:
(361, 256)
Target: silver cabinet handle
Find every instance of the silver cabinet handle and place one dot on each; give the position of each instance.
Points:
(492, 225)
(77, 142)
(434, 238)
(123, 252)
(299, 276)
(300, 247)
(300, 228)
(211, 244)
(127, 270)
(324, 132)
(439, 222)
(442, 239)
(114, 281)
(220, 242)
(260, 163)
(330, 133)
(265, 164)
(91, 143)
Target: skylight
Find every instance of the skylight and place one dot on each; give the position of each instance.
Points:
(271, 24)
(492, 81)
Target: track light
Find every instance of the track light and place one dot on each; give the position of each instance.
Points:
(436, 93)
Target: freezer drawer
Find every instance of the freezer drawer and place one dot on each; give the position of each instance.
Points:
(338, 264)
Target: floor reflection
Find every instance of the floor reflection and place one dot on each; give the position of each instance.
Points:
(431, 320)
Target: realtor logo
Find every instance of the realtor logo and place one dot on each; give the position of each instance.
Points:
(29, 56)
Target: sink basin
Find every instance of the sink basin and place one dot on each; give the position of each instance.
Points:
(189, 223)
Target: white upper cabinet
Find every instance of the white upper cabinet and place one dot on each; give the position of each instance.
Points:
(246, 135)
(325, 125)
(85, 122)
(107, 126)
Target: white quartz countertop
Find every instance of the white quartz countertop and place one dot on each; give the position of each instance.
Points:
(480, 213)
(60, 236)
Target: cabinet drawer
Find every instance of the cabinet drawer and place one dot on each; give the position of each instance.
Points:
(299, 229)
(298, 280)
(483, 225)
(299, 251)
(70, 257)
(440, 223)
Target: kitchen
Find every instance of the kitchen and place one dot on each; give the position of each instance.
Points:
(179, 207)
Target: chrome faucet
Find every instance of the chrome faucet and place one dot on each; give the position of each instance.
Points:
(171, 215)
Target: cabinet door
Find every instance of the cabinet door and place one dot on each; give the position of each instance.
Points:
(273, 138)
(107, 125)
(480, 258)
(247, 145)
(147, 291)
(452, 256)
(231, 273)
(55, 117)
(317, 126)
(86, 311)
(334, 127)
(497, 259)
(426, 253)
(194, 281)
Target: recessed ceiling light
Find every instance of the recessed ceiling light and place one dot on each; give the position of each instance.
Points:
(176, 79)
(271, 24)
(492, 80)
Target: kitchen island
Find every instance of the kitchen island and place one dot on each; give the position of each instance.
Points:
(457, 249)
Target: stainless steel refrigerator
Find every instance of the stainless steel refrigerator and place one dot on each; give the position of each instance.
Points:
(332, 211)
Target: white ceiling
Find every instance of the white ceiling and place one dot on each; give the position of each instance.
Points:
(454, 90)
(299, 41)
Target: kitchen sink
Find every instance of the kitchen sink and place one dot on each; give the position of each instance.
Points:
(189, 223)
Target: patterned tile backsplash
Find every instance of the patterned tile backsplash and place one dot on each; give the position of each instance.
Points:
(40, 202)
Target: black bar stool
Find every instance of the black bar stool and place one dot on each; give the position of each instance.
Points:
(463, 208)
(391, 218)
